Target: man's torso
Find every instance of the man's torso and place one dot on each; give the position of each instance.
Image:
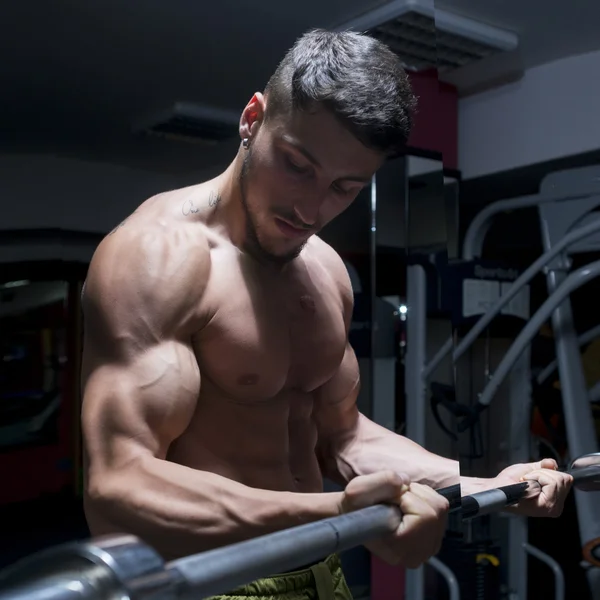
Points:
(266, 340)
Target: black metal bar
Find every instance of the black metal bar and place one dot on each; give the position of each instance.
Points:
(221, 570)
(452, 494)
(489, 501)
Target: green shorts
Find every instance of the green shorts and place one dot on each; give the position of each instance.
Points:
(321, 581)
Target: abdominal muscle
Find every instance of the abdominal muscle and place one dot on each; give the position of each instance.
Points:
(266, 444)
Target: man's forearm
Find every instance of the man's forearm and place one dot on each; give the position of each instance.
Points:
(369, 448)
(183, 511)
(472, 485)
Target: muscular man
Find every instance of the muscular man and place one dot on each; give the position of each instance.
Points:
(219, 385)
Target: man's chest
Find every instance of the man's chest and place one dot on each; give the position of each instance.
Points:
(268, 334)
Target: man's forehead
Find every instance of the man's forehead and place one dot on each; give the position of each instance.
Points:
(323, 139)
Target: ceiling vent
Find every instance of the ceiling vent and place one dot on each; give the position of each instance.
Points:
(196, 123)
(425, 37)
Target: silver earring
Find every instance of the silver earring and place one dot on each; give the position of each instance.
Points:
(245, 143)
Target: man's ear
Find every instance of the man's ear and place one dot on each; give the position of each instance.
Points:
(252, 116)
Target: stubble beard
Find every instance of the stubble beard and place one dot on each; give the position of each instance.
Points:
(252, 244)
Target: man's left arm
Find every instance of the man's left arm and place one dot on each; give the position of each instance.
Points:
(349, 444)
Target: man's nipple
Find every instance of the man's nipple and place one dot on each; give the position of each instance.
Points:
(248, 379)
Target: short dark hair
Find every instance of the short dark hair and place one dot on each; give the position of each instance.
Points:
(358, 78)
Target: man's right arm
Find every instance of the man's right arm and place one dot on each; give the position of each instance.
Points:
(141, 384)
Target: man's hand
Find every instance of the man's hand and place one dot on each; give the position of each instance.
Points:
(555, 487)
(424, 516)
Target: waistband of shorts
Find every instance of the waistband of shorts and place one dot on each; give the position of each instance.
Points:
(283, 584)
(332, 561)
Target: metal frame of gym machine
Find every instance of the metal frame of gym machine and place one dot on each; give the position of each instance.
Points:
(382, 393)
(566, 202)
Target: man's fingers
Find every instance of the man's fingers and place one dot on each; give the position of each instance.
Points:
(435, 500)
(555, 487)
(381, 487)
(548, 463)
(423, 519)
(420, 533)
(548, 477)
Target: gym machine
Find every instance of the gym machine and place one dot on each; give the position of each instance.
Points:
(565, 204)
(432, 289)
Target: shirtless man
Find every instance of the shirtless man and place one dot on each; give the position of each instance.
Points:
(219, 385)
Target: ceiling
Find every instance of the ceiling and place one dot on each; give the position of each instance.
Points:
(75, 76)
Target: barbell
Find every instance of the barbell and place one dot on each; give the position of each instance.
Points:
(123, 567)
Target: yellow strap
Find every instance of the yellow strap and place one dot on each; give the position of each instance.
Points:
(489, 557)
(323, 581)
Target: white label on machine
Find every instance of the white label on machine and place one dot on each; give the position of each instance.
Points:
(479, 296)
(519, 305)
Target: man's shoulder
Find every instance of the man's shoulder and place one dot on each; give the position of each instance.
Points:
(159, 266)
(153, 243)
(335, 267)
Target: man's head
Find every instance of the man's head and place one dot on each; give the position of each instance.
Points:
(337, 106)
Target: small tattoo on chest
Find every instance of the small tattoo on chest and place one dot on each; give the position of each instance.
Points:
(189, 208)
(214, 198)
(308, 304)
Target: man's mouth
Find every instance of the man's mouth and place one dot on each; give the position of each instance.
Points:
(290, 230)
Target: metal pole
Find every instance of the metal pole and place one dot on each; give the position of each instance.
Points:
(448, 575)
(518, 444)
(578, 417)
(568, 240)
(480, 225)
(559, 578)
(579, 422)
(416, 331)
(438, 358)
(416, 327)
(373, 290)
(574, 281)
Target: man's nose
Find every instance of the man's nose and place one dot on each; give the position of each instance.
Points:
(307, 209)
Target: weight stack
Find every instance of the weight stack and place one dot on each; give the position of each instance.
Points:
(476, 567)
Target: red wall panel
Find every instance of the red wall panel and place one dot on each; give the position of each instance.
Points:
(436, 121)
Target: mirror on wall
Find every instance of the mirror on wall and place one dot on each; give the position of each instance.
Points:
(33, 347)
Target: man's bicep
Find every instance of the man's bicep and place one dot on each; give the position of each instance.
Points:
(140, 377)
(135, 409)
(335, 401)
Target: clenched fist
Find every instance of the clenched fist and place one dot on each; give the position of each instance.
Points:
(555, 487)
(424, 516)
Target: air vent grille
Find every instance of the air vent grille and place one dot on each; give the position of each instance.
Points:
(414, 38)
(425, 38)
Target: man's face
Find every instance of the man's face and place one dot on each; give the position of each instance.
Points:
(301, 171)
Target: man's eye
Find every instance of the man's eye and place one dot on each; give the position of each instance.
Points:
(295, 167)
(338, 189)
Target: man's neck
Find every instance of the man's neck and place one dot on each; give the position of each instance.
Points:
(225, 199)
